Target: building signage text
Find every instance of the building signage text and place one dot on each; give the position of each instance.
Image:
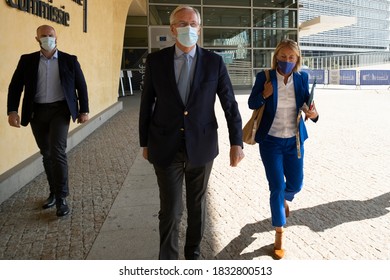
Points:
(44, 10)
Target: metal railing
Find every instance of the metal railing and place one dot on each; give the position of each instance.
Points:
(347, 61)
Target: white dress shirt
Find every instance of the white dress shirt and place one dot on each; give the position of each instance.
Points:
(285, 124)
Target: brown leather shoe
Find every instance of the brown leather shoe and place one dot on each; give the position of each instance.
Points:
(279, 252)
(286, 209)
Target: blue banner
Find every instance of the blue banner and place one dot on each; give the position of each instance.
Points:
(315, 74)
(374, 77)
(347, 77)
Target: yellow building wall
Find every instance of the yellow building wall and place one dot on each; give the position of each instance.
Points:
(99, 52)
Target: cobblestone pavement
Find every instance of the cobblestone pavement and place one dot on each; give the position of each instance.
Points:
(341, 213)
(97, 169)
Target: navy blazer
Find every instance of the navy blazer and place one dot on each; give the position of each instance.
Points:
(256, 100)
(26, 76)
(164, 119)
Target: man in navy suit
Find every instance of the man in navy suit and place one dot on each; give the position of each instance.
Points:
(178, 130)
(54, 90)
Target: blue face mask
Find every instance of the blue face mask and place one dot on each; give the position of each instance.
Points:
(187, 36)
(286, 67)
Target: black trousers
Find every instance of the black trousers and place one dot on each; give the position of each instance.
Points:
(50, 126)
(170, 182)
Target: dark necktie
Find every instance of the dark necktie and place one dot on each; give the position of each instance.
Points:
(183, 83)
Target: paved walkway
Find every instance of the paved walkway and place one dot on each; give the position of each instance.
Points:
(342, 212)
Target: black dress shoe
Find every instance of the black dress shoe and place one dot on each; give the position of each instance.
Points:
(50, 201)
(62, 207)
(193, 256)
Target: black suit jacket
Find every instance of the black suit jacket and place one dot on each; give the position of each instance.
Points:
(25, 79)
(164, 119)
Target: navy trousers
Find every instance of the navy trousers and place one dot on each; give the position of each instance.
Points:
(170, 181)
(284, 171)
(50, 126)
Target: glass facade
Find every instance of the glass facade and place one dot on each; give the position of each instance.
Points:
(371, 33)
(243, 32)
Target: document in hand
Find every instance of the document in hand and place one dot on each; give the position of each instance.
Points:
(311, 97)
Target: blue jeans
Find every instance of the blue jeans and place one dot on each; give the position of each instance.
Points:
(284, 171)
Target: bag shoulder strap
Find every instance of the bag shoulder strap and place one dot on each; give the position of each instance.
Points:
(267, 75)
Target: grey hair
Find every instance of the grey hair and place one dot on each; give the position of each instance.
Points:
(172, 17)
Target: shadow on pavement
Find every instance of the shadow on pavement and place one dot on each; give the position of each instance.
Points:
(318, 218)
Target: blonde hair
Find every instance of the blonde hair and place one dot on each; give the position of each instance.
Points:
(172, 17)
(291, 44)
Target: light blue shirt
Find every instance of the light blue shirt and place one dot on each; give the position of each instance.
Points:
(179, 61)
(49, 88)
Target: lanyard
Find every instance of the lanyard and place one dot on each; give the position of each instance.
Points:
(298, 140)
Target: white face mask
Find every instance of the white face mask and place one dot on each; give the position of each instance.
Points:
(48, 43)
(187, 36)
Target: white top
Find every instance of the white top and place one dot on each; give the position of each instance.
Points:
(284, 124)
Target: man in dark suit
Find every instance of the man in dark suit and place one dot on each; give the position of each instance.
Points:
(54, 90)
(178, 128)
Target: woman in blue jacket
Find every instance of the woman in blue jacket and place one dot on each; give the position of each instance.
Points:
(282, 131)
